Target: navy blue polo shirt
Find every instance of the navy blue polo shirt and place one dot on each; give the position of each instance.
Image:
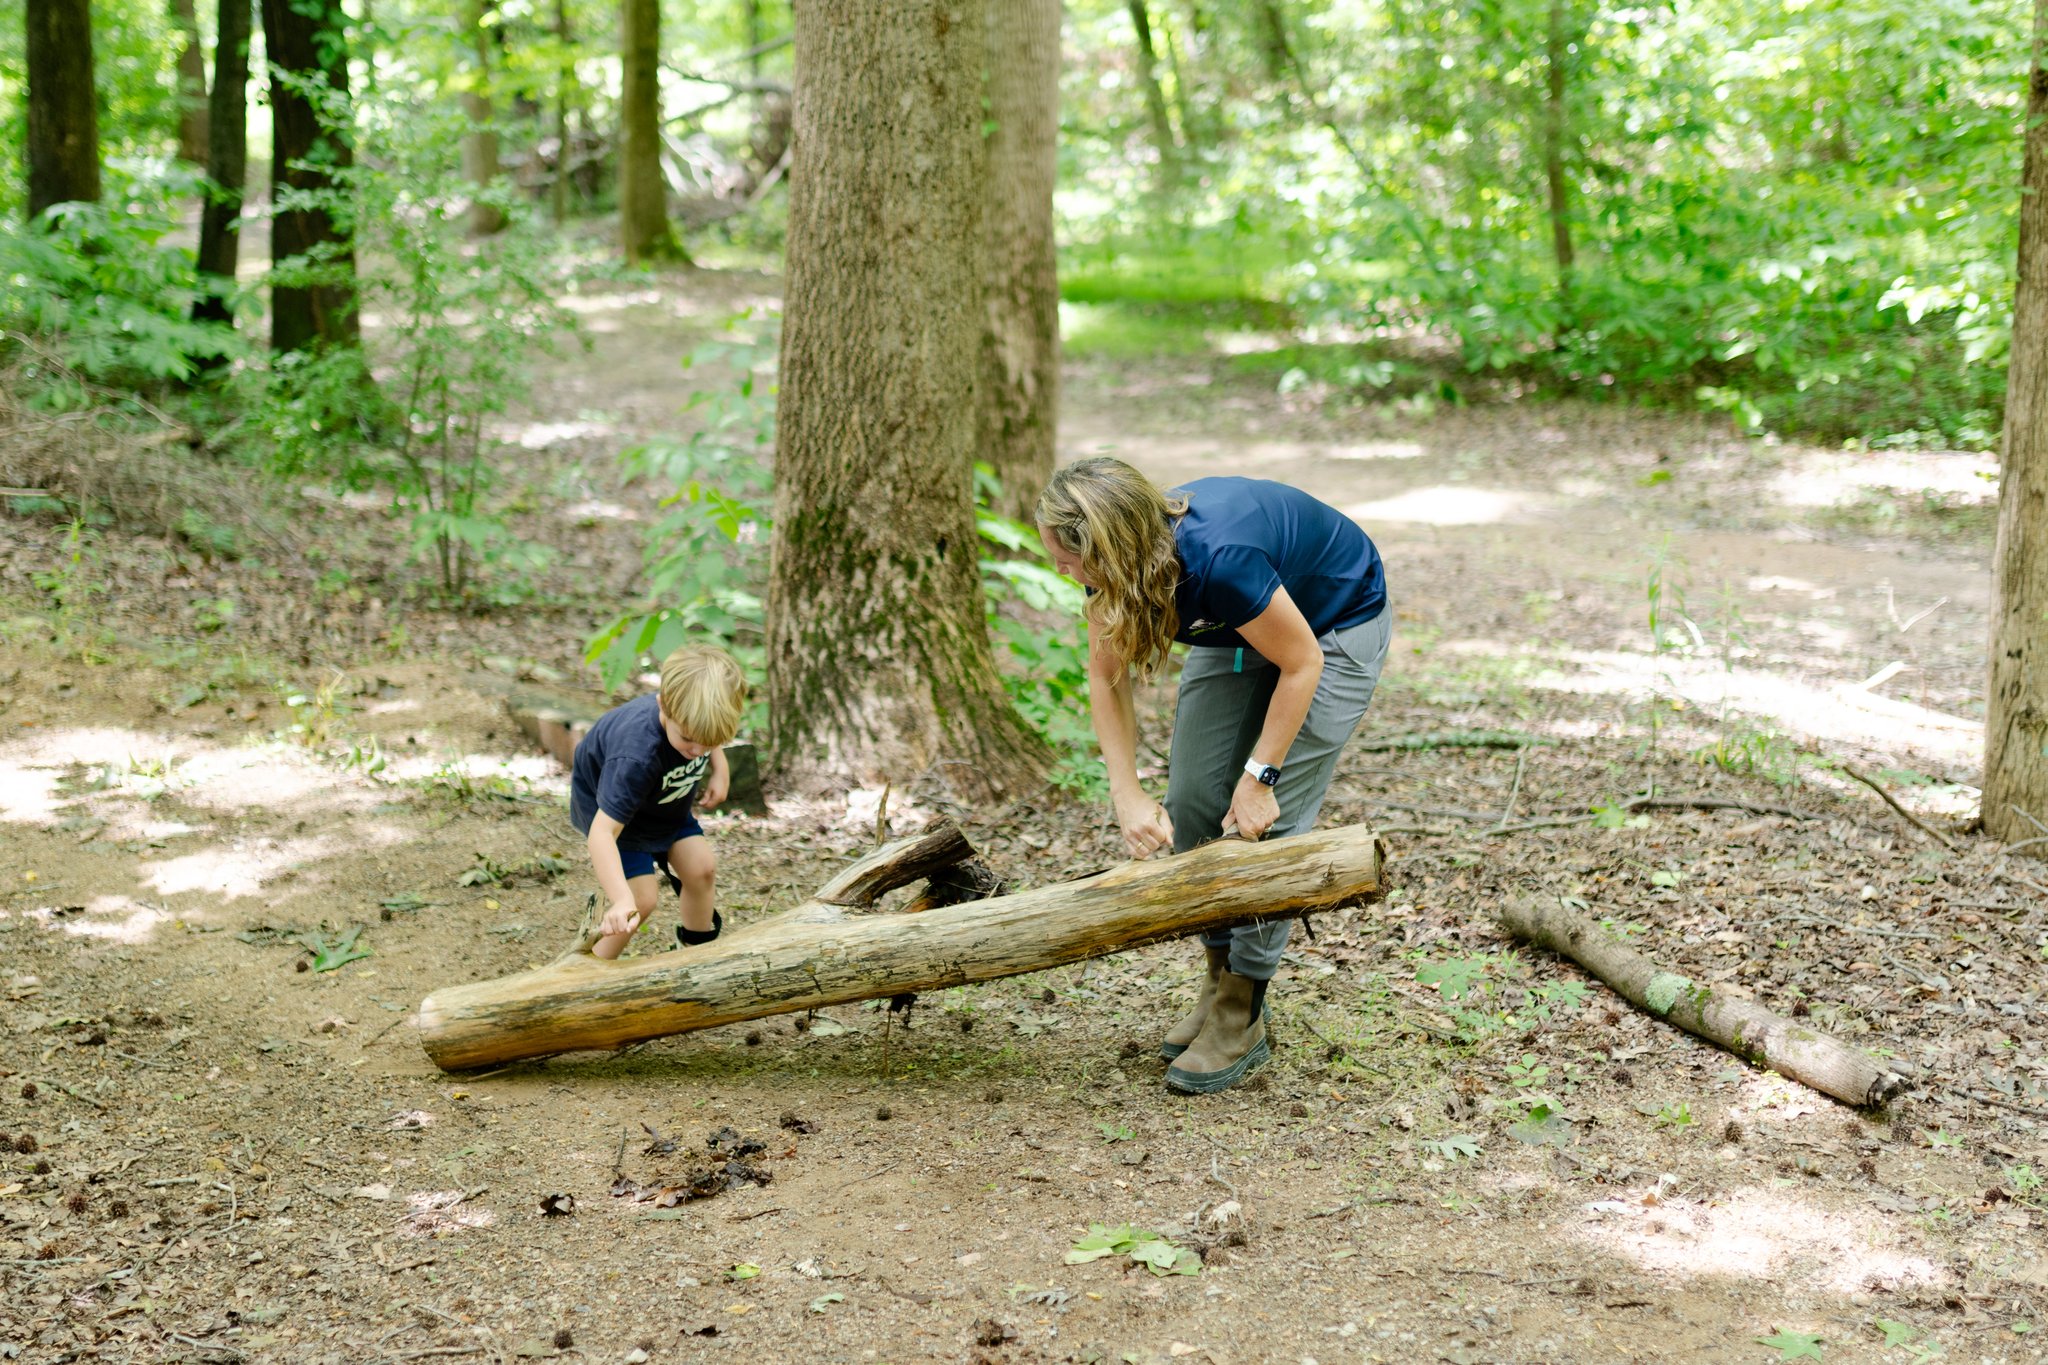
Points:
(626, 767)
(1243, 538)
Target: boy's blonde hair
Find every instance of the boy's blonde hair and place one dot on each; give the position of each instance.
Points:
(1112, 518)
(703, 692)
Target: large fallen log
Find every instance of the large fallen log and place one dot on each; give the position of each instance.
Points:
(1740, 1026)
(820, 954)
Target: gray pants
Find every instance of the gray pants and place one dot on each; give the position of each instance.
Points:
(1222, 707)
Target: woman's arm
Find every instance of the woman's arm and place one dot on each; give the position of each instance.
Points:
(1113, 709)
(1283, 635)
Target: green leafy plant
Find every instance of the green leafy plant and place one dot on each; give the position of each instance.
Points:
(462, 323)
(98, 288)
(1454, 1147)
(1157, 1254)
(339, 952)
(1794, 1345)
(707, 555)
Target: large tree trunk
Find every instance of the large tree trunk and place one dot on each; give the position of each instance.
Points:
(1021, 340)
(480, 143)
(1556, 53)
(644, 233)
(227, 160)
(308, 38)
(565, 81)
(63, 118)
(818, 954)
(2016, 722)
(192, 113)
(1148, 80)
(879, 664)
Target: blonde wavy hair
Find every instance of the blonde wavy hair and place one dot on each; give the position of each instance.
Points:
(704, 692)
(1112, 518)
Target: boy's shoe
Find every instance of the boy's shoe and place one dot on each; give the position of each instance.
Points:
(691, 938)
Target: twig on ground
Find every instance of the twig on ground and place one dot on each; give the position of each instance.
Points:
(1336, 1047)
(1862, 928)
(1915, 821)
(1220, 1178)
(76, 1095)
(1514, 788)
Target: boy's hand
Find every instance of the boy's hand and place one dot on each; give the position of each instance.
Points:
(622, 918)
(716, 783)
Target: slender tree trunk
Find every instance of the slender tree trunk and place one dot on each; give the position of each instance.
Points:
(565, 81)
(227, 159)
(644, 232)
(2016, 723)
(1148, 79)
(63, 117)
(1021, 340)
(192, 113)
(1557, 54)
(879, 667)
(307, 39)
(754, 53)
(480, 143)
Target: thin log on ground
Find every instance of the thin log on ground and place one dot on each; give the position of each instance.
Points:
(823, 953)
(1740, 1026)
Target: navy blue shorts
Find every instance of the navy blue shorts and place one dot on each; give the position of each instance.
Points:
(645, 862)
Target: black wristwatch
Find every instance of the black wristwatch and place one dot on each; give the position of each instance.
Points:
(1266, 773)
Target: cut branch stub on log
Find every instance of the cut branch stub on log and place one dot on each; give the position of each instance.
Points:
(817, 954)
(1740, 1026)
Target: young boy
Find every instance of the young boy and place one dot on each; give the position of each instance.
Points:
(640, 775)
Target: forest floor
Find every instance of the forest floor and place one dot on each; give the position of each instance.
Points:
(1463, 1151)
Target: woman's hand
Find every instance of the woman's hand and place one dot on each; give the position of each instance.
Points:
(1146, 825)
(1253, 808)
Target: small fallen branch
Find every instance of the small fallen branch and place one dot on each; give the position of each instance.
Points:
(1740, 1026)
(1915, 821)
(1452, 739)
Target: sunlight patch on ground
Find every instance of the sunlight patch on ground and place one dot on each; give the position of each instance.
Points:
(1757, 1234)
(1839, 714)
(116, 919)
(541, 435)
(589, 305)
(596, 509)
(1447, 505)
(35, 761)
(271, 777)
(539, 770)
(244, 867)
(1831, 478)
(1375, 450)
(130, 819)
(1774, 583)
(28, 795)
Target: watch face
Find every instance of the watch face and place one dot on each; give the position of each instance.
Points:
(1269, 775)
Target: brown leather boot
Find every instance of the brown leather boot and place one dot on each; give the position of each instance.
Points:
(1232, 1043)
(1180, 1035)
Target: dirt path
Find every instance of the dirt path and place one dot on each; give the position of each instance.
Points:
(221, 1154)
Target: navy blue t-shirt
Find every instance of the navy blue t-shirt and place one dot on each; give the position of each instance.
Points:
(626, 768)
(1243, 538)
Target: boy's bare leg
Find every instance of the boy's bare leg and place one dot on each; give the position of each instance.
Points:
(696, 867)
(646, 891)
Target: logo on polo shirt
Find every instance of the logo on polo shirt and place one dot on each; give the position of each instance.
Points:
(1201, 626)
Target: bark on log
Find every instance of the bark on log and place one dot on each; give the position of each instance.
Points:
(817, 954)
(1741, 1026)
